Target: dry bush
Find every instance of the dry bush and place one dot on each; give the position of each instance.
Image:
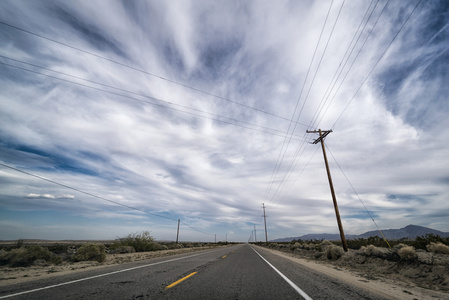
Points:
(310, 246)
(334, 252)
(295, 246)
(326, 243)
(24, 257)
(273, 245)
(90, 252)
(407, 253)
(123, 249)
(372, 250)
(400, 246)
(438, 248)
(141, 242)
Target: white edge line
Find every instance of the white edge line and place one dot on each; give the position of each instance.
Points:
(301, 292)
(97, 276)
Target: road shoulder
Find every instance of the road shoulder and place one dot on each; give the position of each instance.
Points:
(383, 287)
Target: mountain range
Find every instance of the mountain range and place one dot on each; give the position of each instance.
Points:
(408, 232)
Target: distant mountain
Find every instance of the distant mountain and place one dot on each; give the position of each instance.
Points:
(410, 232)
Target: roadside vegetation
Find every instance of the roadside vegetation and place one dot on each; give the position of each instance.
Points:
(423, 261)
(23, 254)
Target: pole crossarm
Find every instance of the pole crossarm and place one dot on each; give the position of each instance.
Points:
(323, 134)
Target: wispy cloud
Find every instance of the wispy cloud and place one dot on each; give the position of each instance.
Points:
(48, 196)
(182, 109)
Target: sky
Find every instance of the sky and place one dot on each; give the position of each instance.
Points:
(118, 117)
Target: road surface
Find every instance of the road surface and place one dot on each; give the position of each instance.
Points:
(237, 272)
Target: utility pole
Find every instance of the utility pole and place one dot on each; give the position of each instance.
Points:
(226, 237)
(177, 235)
(215, 238)
(323, 134)
(255, 236)
(265, 221)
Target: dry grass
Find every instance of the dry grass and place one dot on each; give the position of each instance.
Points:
(438, 248)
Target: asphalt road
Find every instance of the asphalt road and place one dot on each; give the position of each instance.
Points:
(237, 272)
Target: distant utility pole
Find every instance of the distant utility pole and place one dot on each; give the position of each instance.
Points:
(215, 238)
(323, 134)
(265, 221)
(177, 235)
(255, 236)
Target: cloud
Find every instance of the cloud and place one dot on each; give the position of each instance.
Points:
(231, 76)
(48, 196)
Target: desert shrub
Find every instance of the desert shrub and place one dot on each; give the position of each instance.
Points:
(123, 249)
(334, 252)
(24, 257)
(438, 248)
(372, 250)
(90, 252)
(297, 241)
(407, 253)
(295, 246)
(60, 248)
(421, 242)
(324, 246)
(141, 242)
(400, 246)
(356, 244)
(309, 246)
(19, 243)
(326, 243)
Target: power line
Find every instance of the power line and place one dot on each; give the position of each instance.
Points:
(296, 157)
(197, 229)
(355, 59)
(156, 104)
(98, 197)
(297, 177)
(144, 72)
(137, 94)
(344, 62)
(375, 65)
(357, 194)
(84, 192)
(284, 148)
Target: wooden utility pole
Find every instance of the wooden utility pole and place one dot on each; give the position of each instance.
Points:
(177, 235)
(323, 134)
(265, 221)
(255, 236)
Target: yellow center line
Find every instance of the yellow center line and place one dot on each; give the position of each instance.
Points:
(180, 280)
(223, 256)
